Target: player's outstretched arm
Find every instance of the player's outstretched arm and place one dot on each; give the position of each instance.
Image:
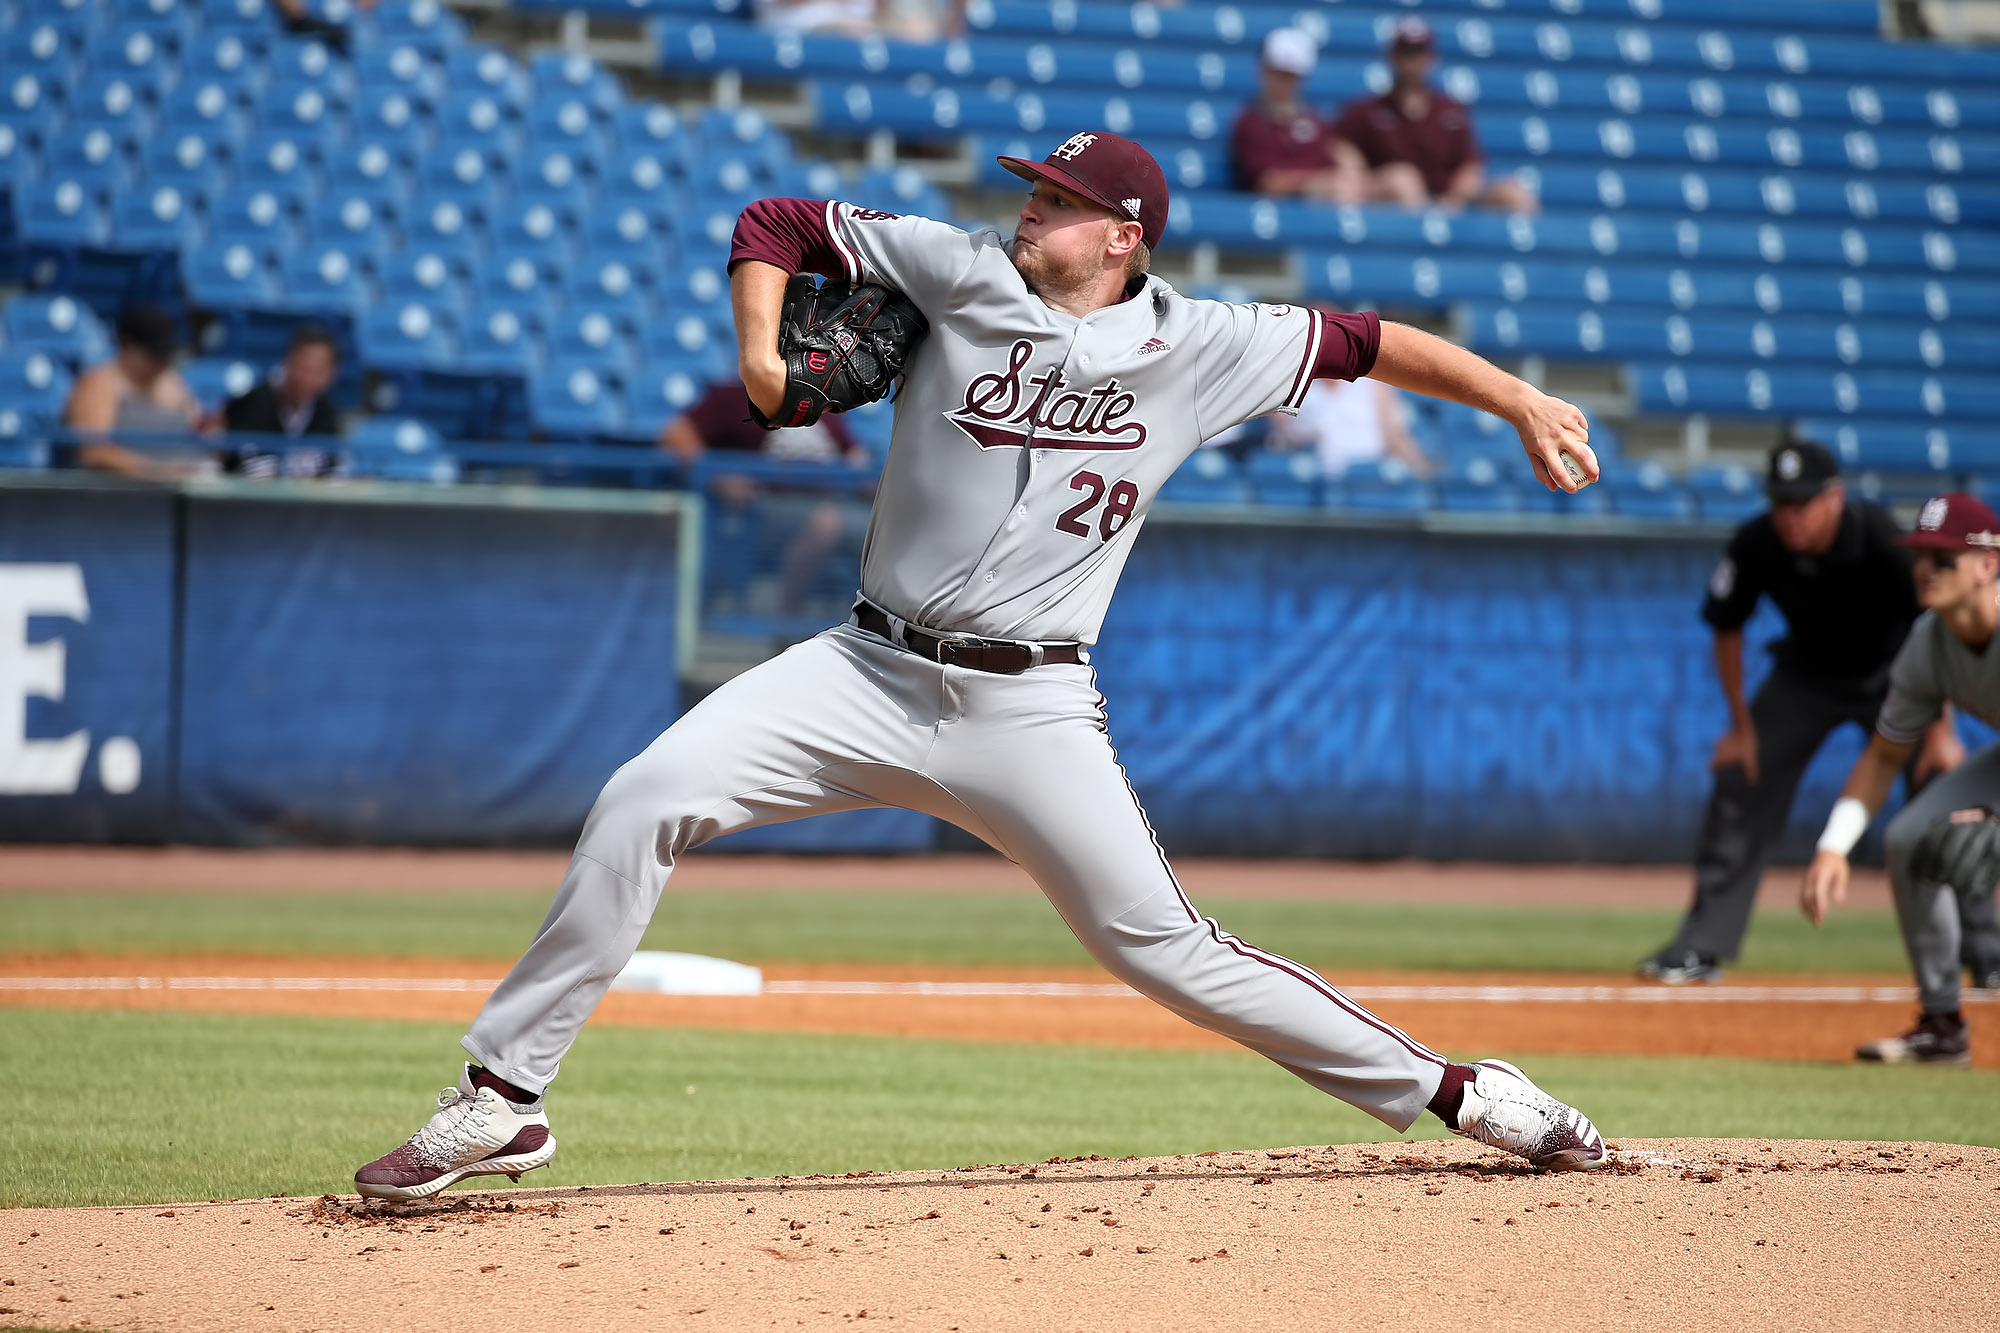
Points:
(1867, 787)
(1414, 360)
(757, 299)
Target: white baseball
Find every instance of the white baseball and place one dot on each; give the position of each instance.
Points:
(1571, 466)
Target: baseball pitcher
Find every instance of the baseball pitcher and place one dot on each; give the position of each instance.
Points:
(1056, 386)
(1943, 849)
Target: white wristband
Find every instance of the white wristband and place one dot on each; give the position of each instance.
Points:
(1844, 826)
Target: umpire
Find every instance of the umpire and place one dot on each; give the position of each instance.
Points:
(1831, 564)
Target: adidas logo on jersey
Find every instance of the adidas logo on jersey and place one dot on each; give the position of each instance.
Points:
(1154, 345)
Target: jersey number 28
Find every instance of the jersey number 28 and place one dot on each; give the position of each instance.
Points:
(1118, 505)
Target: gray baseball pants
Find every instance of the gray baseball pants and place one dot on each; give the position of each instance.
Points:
(1937, 919)
(848, 721)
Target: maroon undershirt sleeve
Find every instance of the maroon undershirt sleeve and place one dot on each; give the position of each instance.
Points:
(790, 233)
(1347, 345)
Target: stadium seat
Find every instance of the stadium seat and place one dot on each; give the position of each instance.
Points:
(214, 380)
(423, 23)
(279, 158)
(219, 55)
(589, 338)
(1290, 478)
(253, 17)
(131, 52)
(262, 217)
(560, 75)
(476, 120)
(429, 275)
(552, 176)
(626, 233)
(34, 384)
(489, 70)
(112, 100)
(290, 106)
(40, 50)
(462, 174)
(574, 401)
(532, 228)
(1209, 476)
(498, 340)
(445, 221)
(648, 125)
(401, 66)
(350, 220)
(1379, 488)
(565, 122)
(57, 326)
(93, 153)
(231, 276)
(406, 335)
(611, 286)
(368, 170)
(516, 281)
(61, 211)
(660, 390)
(1648, 492)
(323, 279)
(643, 179)
(187, 159)
(152, 218)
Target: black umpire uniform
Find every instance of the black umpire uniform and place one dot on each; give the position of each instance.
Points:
(1847, 611)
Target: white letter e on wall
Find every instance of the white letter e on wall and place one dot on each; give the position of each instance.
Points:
(42, 767)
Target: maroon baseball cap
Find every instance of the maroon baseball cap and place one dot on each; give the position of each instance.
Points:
(1412, 34)
(1953, 521)
(1112, 172)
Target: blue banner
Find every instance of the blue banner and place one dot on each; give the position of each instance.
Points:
(418, 673)
(87, 666)
(1332, 692)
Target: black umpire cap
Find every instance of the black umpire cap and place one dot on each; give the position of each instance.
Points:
(1799, 470)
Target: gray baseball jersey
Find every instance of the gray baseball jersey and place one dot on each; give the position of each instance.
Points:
(1029, 444)
(1933, 668)
(1028, 447)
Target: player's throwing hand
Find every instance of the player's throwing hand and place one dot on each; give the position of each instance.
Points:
(1557, 436)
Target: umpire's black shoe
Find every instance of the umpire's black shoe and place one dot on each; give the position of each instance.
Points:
(1681, 967)
(1937, 1039)
(1985, 978)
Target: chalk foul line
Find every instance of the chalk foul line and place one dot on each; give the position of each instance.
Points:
(1498, 994)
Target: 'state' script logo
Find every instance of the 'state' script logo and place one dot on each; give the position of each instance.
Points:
(1006, 411)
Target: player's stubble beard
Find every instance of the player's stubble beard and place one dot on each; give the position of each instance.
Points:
(1049, 278)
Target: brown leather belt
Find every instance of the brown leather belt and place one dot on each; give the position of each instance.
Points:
(1000, 656)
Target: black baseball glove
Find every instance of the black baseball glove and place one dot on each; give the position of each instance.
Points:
(1964, 853)
(843, 346)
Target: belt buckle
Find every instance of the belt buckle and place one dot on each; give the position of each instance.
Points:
(952, 643)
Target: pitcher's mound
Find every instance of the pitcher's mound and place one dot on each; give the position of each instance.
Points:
(1679, 1234)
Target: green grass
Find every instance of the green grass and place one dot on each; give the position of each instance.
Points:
(947, 929)
(110, 1107)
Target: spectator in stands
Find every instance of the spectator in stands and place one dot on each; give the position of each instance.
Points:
(1346, 423)
(1415, 146)
(137, 393)
(1281, 146)
(721, 422)
(292, 401)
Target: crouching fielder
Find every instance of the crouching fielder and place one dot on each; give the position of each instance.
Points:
(1059, 386)
(1943, 850)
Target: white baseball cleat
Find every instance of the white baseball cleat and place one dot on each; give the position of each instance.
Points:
(476, 1132)
(1502, 1109)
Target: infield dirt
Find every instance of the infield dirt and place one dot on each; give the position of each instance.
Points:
(1681, 1234)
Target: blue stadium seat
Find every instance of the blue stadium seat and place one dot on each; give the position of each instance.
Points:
(660, 390)
(1208, 477)
(689, 337)
(552, 176)
(1477, 486)
(89, 153)
(34, 384)
(28, 105)
(559, 75)
(407, 335)
(252, 18)
(401, 449)
(40, 49)
(134, 53)
(424, 23)
(576, 401)
(61, 211)
(23, 440)
(261, 217)
(1379, 488)
(57, 326)
(589, 338)
(743, 131)
(815, 180)
(278, 159)
(391, 117)
(461, 173)
(1290, 478)
(189, 160)
(565, 122)
(214, 380)
(489, 70)
(426, 275)
(648, 125)
(208, 106)
(156, 217)
(902, 190)
(231, 276)
(284, 106)
(625, 232)
(532, 228)
(218, 55)
(446, 221)
(352, 221)
(401, 66)
(370, 171)
(1648, 491)
(609, 285)
(323, 279)
(498, 340)
(516, 281)
(113, 100)
(696, 288)
(476, 120)
(642, 179)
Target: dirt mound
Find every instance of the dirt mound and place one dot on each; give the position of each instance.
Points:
(1680, 1234)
